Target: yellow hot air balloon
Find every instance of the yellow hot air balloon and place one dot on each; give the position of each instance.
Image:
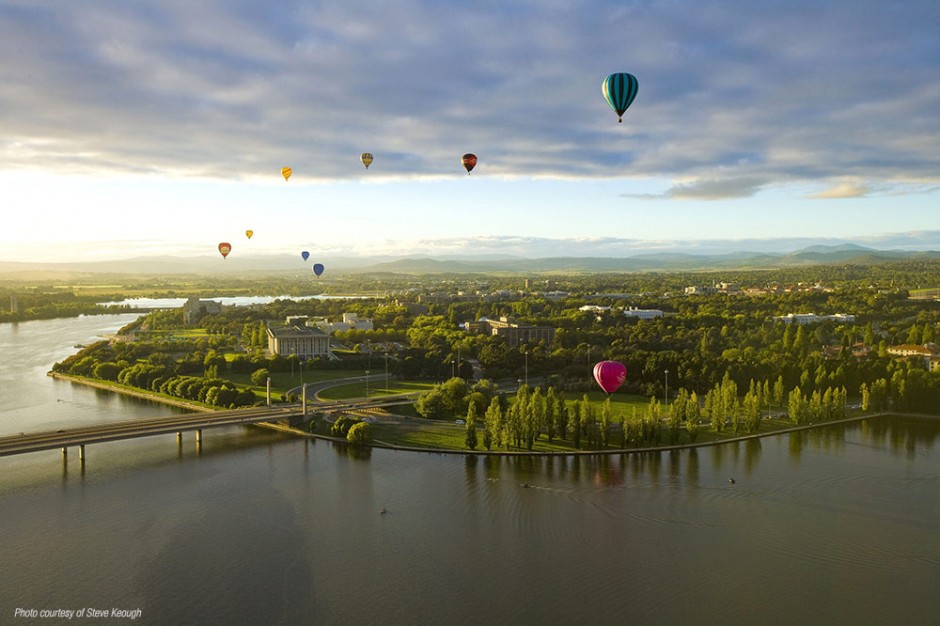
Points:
(249, 233)
(366, 159)
(286, 172)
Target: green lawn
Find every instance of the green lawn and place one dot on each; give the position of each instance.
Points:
(376, 388)
(281, 382)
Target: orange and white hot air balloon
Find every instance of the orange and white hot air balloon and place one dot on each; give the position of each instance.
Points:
(225, 248)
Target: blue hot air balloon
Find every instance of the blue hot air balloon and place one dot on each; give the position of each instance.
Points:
(620, 90)
(305, 255)
(318, 268)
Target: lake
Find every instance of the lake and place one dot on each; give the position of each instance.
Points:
(839, 525)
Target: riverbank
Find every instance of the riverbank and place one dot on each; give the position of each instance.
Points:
(133, 392)
(115, 387)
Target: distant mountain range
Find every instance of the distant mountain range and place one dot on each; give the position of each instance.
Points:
(469, 264)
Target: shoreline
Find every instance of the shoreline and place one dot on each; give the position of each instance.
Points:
(140, 394)
(144, 395)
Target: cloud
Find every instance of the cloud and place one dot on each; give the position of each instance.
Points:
(711, 189)
(730, 101)
(843, 190)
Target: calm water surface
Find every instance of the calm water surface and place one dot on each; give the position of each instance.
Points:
(833, 526)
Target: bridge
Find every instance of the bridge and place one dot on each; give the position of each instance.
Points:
(81, 436)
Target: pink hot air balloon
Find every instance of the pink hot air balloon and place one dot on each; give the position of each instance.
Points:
(610, 375)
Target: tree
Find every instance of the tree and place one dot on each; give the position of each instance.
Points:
(692, 415)
(107, 371)
(561, 415)
(454, 395)
(605, 423)
(493, 425)
(551, 410)
(471, 427)
(359, 434)
(574, 423)
(588, 420)
(260, 376)
(797, 406)
(430, 404)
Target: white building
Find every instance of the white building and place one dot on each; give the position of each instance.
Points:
(643, 314)
(812, 318)
(350, 321)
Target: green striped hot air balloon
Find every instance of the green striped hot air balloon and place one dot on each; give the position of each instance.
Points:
(620, 90)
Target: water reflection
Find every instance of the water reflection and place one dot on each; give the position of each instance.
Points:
(718, 455)
(900, 435)
(752, 452)
(608, 471)
(692, 474)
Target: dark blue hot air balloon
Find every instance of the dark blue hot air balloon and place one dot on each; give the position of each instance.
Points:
(318, 268)
(620, 90)
(305, 255)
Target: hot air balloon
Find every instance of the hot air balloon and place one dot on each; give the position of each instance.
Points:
(225, 248)
(366, 159)
(249, 233)
(305, 255)
(469, 161)
(318, 268)
(286, 172)
(620, 90)
(610, 375)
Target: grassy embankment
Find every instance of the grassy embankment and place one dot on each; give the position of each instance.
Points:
(404, 428)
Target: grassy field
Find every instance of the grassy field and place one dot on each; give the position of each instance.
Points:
(414, 431)
(376, 388)
(447, 435)
(282, 382)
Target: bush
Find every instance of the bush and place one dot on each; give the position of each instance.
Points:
(342, 425)
(260, 376)
(359, 434)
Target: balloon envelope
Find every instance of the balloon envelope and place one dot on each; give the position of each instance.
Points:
(225, 248)
(469, 161)
(318, 268)
(620, 90)
(610, 375)
(286, 172)
(249, 233)
(305, 255)
(366, 159)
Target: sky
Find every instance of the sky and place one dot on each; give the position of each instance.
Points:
(138, 128)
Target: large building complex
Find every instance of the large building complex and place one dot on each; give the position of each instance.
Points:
(304, 341)
(350, 321)
(812, 318)
(195, 309)
(512, 331)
